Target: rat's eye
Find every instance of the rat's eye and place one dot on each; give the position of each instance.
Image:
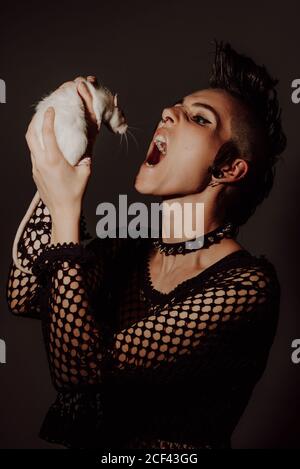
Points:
(201, 120)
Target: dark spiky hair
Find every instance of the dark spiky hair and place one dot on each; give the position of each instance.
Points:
(257, 134)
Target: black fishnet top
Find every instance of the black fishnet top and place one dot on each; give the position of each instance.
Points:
(134, 367)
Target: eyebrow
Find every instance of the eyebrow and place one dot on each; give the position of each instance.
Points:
(205, 106)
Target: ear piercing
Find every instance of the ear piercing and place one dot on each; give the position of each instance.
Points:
(217, 173)
(214, 183)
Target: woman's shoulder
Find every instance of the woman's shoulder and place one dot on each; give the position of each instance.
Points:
(244, 260)
(242, 270)
(245, 257)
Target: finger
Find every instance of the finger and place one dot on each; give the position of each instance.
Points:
(85, 94)
(87, 161)
(79, 79)
(84, 167)
(92, 79)
(52, 150)
(32, 157)
(33, 142)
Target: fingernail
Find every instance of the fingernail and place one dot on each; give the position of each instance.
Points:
(86, 160)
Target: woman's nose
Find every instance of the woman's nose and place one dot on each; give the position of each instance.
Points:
(169, 115)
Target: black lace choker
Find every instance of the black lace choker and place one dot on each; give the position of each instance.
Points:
(228, 230)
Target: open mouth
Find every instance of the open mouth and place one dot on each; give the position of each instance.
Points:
(158, 151)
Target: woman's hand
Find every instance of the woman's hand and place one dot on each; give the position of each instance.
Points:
(60, 185)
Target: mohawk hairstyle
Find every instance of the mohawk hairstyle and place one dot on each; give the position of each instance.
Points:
(257, 134)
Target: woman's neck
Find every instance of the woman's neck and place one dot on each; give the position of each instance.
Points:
(188, 217)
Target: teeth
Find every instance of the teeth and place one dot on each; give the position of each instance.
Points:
(148, 164)
(161, 147)
(160, 138)
(161, 143)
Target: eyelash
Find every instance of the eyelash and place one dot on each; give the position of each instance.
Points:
(206, 120)
(199, 115)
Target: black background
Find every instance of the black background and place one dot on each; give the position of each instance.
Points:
(151, 53)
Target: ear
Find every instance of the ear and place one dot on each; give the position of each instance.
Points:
(116, 100)
(236, 170)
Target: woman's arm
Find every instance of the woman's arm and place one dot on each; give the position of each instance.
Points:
(22, 289)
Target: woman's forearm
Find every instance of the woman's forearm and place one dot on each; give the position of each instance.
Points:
(21, 287)
(75, 338)
(66, 227)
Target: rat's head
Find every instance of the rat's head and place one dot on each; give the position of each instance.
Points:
(117, 121)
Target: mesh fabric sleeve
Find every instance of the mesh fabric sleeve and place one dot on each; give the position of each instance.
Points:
(22, 290)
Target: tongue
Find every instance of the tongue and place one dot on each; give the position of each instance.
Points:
(154, 156)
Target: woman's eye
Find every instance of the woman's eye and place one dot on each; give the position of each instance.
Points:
(201, 120)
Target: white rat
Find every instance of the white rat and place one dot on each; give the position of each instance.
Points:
(71, 131)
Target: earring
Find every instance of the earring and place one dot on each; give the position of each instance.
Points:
(217, 173)
(214, 183)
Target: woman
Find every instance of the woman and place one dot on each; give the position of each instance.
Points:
(152, 343)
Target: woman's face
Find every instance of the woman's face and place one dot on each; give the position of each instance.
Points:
(193, 130)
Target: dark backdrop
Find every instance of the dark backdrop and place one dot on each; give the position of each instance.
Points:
(151, 53)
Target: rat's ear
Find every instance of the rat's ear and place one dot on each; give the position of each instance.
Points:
(116, 100)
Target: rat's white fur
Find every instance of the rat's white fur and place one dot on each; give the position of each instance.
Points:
(71, 131)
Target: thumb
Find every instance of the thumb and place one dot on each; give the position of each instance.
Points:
(84, 166)
(52, 150)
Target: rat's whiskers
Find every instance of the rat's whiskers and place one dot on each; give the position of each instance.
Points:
(134, 139)
(137, 128)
